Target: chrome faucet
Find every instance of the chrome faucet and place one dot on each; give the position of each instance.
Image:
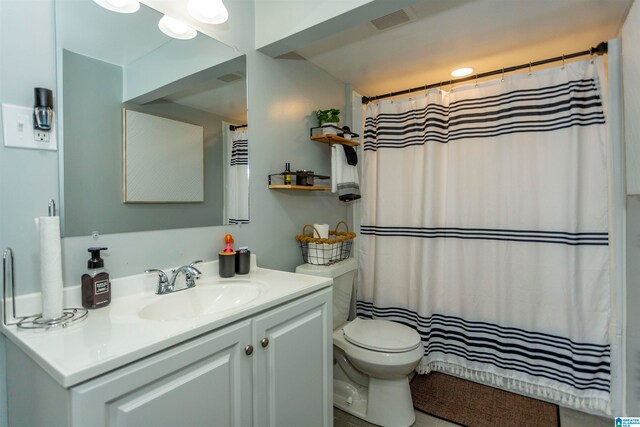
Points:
(166, 286)
(190, 274)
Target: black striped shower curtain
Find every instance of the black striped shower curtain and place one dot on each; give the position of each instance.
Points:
(237, 178)
(485, 228)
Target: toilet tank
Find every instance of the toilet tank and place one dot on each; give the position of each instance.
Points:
(343, 274)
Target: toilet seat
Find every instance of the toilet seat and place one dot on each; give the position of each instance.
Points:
(381, 335)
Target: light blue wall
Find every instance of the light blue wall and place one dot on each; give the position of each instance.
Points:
(282, 95)
(26, 177)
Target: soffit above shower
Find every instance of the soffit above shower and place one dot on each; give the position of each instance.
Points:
(442, 35)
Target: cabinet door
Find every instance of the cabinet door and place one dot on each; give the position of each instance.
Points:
(292, 371)
(204, 382)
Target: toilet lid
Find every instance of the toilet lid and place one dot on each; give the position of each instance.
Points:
(381, 335)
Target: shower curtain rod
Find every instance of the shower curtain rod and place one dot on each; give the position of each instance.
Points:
(601, 49)
(233, 127)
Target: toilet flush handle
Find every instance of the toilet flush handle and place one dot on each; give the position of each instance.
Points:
(264, 342)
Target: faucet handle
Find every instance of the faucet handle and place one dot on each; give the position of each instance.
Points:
(192, 273)
(163, 281)
(195, 262)
(162, 276)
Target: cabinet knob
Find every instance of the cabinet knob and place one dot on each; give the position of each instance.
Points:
(248, 350)
(264, 342)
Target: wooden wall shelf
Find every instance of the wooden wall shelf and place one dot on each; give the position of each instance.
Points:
(298, 187)
(334, 139)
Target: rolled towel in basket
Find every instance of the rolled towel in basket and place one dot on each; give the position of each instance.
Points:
(323, 230)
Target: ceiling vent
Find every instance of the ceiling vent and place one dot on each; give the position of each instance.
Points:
(391, 20)
(231, 77)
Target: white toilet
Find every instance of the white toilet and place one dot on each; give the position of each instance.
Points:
(372, 358)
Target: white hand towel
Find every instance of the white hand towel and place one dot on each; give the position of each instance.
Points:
(344, 176)
(334, 163)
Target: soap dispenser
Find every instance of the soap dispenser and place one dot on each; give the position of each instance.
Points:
(96, 287)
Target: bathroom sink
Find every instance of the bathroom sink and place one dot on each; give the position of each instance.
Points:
(201, 300)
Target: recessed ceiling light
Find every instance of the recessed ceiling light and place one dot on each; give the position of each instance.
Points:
(176, 29)
(461, 72)
(121, 6)
(208, 11)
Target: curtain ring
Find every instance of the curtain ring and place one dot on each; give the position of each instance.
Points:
(450, 85)
(502, 78)
(529, 68)
(476, 85)
(562, 62)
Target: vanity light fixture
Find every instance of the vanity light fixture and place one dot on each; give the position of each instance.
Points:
(462, 72)
(208, 11)
(175, 28)
(121, 6)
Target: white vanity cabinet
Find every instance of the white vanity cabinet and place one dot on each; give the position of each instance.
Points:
(205, 382)
(272, 368)
(293, 367)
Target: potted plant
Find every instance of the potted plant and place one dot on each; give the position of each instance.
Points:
(329, 120)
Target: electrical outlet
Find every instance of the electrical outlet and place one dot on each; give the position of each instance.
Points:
(41, 135)
(17, 122)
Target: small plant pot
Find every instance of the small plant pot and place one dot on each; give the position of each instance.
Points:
(330, 128)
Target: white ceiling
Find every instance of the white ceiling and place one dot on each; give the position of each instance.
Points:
(448, 34)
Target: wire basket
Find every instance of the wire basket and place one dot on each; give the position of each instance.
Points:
(319, 251)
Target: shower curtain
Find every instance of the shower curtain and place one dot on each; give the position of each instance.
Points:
(237, 178)
(485, 228)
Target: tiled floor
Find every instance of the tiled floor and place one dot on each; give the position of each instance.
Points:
(342, 419)
(568, 418)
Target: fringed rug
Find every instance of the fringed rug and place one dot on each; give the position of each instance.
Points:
(474, 405)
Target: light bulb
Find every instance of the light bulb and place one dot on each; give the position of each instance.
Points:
(461, 72)
(208, 11)
(117, 3)
(176, 29)
(121, 6)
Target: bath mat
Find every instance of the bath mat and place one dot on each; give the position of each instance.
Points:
(474, 405)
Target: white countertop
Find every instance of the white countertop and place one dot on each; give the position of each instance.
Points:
(113, 336)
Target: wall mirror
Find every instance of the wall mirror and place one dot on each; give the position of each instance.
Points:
(108, 62)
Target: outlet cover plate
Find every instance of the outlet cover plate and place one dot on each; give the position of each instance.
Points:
(18, 129)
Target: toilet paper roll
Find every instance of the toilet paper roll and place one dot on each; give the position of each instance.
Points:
(323, 229)
(50, 266)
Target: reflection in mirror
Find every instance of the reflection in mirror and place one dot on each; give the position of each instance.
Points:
(109, 61)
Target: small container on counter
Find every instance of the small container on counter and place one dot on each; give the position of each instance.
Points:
(243, 260)
(96, 286)
(227, 263)
(227, 259)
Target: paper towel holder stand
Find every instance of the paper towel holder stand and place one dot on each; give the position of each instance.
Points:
(34, 321)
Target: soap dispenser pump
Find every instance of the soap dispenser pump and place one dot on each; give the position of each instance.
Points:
(96, 287)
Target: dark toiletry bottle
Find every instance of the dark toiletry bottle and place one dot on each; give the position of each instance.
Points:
(287, 174)
(96, 287)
